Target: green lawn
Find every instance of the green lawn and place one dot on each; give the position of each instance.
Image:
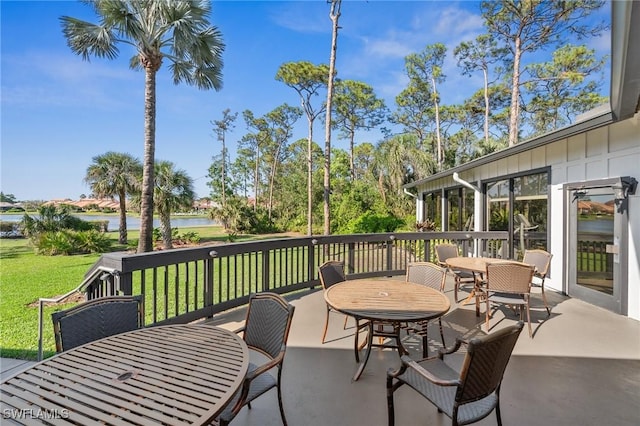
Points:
(25, 277)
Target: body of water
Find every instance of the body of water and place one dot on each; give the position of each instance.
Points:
(597, 226)
(132, 222)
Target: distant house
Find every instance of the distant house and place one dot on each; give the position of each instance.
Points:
(87, 203)
(6, 206)
(204, 204)
(575, 186)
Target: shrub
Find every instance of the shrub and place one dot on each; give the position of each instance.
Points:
(52, 243)
(66, 242)
(190, 237)
(239, 217)
(51, 219)
(369, 223)
(91, 241)
(9, 229)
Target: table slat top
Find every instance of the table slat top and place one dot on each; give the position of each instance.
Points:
(174, 375)
(387, 300)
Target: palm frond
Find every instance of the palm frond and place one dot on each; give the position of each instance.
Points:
(87, 39)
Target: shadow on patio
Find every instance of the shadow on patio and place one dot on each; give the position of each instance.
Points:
(582, 367)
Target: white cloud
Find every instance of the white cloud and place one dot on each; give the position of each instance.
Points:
(387, 48)
(47, 79)
(454, 22)
(302, 17)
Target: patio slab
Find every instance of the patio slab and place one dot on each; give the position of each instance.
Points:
(582, 366)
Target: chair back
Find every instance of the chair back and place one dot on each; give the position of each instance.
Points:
(446, 251)
(95, 319)
(426, 273)
(331, 272)
(509, 277)
(485, 362)
(268, 322)
(540, 259)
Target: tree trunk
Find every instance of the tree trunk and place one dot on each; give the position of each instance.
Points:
(145, 243)
(256, 179)
(224, 161)
(165, 230)
(272, 179)
(122, 228)
(352, 163)
(486, 106)
(440, 155)
(334, 14)
(514, 111)
(309, 179)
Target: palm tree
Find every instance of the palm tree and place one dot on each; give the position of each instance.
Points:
(178, 31)
(173, 190)
(112, 174)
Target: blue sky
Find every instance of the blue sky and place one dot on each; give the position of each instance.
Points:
(58, 112)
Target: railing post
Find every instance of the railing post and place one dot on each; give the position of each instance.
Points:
(265, 270)
(427, 250)
(390, 252)
(124, 283)
(351, 256)
(208, 278)
(311, 270)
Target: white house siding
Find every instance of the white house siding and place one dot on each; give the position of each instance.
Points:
(608, 151)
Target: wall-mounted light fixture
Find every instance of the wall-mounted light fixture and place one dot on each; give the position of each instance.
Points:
(624, 187)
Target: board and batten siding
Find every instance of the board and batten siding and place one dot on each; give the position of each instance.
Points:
(609, 151)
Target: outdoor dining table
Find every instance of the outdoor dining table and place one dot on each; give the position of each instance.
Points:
(388, 301)
(168, 375)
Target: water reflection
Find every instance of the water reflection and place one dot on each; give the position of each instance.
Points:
(132, 222)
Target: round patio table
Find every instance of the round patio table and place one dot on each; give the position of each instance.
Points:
(181, 374)
(385, 301)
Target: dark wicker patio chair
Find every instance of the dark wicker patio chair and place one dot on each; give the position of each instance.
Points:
(540, 260)
(331, 272)
(446, 251)
(465, 396)
(508, 283)
(96, 319)
(431, 275)
(266, 331)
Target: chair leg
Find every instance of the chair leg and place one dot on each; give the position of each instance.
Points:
(284, 419)
(529, 318)
(487, 315)
(456, 286)
(498, 417)
(544, 299)
(344, 327)
(425, 341)
(326, 325)
(390, 409)
(444, 345)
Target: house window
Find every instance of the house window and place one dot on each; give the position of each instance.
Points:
(460, 209)
(519, 205)
(498, 205)
(433, 209)
(453, 210)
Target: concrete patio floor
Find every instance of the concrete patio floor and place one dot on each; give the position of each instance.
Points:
(582, 367)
